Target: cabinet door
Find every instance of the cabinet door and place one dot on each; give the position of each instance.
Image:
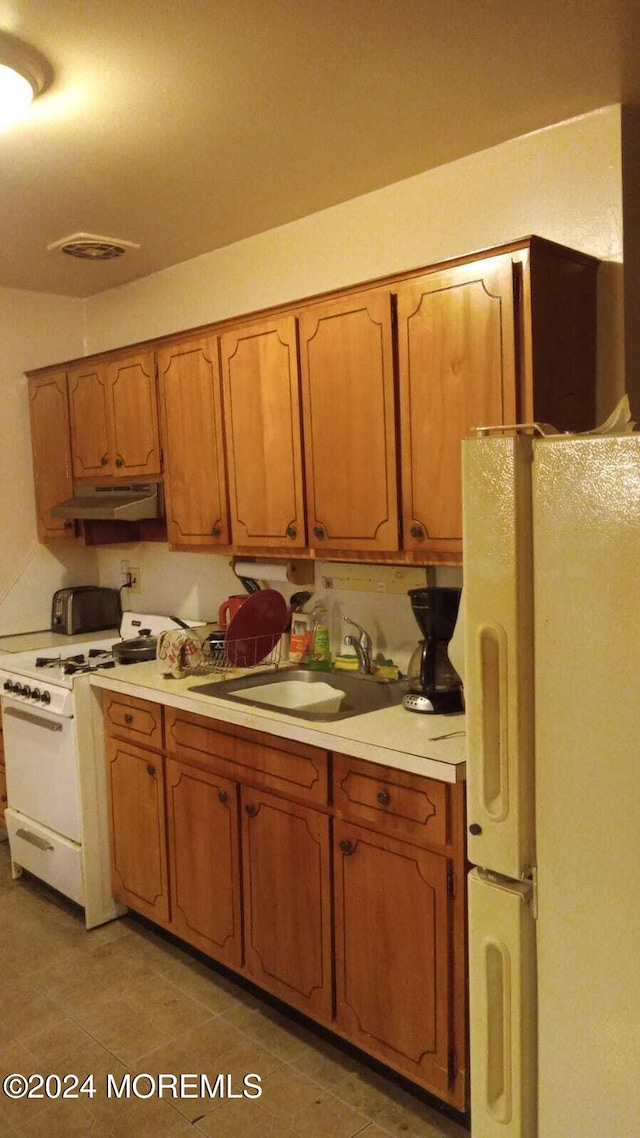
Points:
(263, 434)
(133, 412)
(287, 900)
(194, 475)
(204, 845)
(91, 449)
(346, 360)
(393, 986)
(456, 347)
(49, 412)
(135, 781)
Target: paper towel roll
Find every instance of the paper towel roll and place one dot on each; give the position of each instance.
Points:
(263, 570)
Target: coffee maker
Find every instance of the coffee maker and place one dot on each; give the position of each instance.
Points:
(435, 686)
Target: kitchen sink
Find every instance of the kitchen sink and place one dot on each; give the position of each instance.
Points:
(288, 686)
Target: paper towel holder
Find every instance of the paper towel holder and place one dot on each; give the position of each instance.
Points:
(294, 572)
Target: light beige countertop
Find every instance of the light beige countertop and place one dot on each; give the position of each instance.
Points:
(45, 638)
(392, 737)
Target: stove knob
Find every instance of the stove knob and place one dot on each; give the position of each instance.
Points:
(45, 697)
(8, 685)
(17, 689)
(26, 691)
(35, 694)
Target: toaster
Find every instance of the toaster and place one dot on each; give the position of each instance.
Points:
(85, 608)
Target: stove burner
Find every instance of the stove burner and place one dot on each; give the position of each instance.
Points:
(94, 659)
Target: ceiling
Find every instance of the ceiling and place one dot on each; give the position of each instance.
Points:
(185, 126)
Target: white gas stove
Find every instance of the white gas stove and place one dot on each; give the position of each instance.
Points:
(56, 815)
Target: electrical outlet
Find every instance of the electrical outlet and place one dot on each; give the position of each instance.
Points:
(134, 573)
(124, 571)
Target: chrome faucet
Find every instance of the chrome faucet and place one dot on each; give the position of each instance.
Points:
(362, 644)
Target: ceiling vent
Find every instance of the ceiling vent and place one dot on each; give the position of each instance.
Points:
(91, 247)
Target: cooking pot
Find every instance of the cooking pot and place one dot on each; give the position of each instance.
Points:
(136, 650)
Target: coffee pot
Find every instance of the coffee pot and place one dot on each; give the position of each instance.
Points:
(435, 686)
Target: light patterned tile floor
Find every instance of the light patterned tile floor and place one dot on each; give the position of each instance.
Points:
(120, 1000)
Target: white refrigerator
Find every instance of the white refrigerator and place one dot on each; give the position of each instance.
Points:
(552, 691)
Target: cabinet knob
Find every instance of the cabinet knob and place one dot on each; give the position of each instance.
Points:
(68, 524)
(346, 847)
(318, 531)
(215, 530)
(128, 717)
(292, 531)
(475, 828)
(4, 798)
(251, 810)
(384, 798)
(119, 462)
(222, 796)
(151, 769)
(104, 460)
(417, 532)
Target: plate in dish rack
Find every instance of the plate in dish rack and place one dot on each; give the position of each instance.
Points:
(256, 628)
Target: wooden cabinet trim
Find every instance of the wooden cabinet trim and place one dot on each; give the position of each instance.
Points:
(138, 720)
(296, 770)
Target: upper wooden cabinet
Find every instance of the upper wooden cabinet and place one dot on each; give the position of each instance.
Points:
(495, 341)
(346, 359)
(263, 434)
(114, 418)
(194, 473)
(457, 356)
(49, 412)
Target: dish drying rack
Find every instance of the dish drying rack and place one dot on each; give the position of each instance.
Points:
(246, 653)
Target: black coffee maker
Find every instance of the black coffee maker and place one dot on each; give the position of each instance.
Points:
(436, 687)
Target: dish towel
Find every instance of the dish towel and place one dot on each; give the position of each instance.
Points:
(179, 652)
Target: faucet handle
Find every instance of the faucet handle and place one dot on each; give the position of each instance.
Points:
(365, 639)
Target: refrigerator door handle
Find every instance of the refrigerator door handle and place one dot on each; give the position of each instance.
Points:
(498, 991)
(494, 739)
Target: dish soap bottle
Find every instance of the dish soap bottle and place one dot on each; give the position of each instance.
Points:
(321, 659)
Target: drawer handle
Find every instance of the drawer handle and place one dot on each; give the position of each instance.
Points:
(384, 798)
(34, 839)
(128, 718)
(151, 769)
(347, 848)
(222, 796)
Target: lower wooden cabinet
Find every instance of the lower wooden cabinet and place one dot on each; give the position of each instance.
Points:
(335, 884)
(204, 853)
(393, 931)
(135, 780)
(287, 896)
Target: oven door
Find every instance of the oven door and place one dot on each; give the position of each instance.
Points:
(41, 767)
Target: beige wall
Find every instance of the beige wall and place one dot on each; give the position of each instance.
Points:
(564, 183)
(35, 328)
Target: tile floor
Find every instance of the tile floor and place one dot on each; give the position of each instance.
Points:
(122, 999)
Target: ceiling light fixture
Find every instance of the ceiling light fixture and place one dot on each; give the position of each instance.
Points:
(23, 75)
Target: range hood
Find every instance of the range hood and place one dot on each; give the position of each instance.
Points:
(126, 503)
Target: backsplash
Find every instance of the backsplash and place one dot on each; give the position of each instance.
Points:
(193, 585)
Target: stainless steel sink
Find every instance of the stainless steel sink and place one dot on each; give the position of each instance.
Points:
(362, 693)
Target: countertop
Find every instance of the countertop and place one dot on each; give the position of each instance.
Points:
(45, 638)
(392, 737)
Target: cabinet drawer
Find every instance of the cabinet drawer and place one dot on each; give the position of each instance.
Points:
(400, 804)
(134, 719)
(294, 769)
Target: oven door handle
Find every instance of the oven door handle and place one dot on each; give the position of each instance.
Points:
(18, 713)
(34, 839)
